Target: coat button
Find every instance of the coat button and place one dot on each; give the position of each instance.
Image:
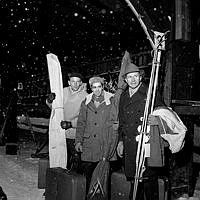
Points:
(95, 112)
(95, 135)
(95, 123)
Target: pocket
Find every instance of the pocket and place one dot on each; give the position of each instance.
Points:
(86, 139)
(86, 136)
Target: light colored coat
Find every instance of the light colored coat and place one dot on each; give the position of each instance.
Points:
(72, 103)
(95, 128)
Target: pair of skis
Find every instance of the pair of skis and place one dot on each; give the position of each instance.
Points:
(143, 145)
(158, 45)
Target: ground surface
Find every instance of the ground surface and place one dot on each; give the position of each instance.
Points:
(19, 174)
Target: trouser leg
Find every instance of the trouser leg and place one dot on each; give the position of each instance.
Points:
(139, 193)
(151, 188)
(87, 169)
(147, 189)
(70, 151)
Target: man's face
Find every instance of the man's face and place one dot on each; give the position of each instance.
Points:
(75, 83)
(97, 89)
(133, 79)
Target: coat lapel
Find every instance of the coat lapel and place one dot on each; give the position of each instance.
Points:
(137, 96)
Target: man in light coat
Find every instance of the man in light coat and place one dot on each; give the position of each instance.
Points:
(73, 95)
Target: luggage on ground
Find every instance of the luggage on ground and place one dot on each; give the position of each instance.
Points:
(11, 148)
(120, 187)
(42, 167)
(64, 185)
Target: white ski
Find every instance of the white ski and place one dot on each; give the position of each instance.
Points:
(57, 140)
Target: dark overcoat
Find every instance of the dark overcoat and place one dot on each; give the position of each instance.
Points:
(131, 109)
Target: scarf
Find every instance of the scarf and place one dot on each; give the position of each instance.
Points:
(99, 99)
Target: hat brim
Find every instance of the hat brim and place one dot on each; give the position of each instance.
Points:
(75, 74)
(124, 75)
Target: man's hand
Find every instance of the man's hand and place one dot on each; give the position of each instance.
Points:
(120, 149)
(51, 97)
(65, 125)
(152, 120)
(79, 147)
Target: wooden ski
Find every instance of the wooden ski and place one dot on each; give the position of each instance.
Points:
(157, 44)
(144, 133)
(57, 140)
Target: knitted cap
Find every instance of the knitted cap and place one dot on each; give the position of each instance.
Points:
(96, 79)
(75, 74)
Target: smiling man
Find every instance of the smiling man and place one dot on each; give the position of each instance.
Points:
(73, 95)
(131, 109)
(94, 135)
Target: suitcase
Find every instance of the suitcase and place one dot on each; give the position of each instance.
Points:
(11, 148)
(120, 187)
(43, 164)
(64, 185)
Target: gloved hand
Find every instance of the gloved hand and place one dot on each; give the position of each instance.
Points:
(51, 97)
(120, 149)
(65, 125)
(79, 147)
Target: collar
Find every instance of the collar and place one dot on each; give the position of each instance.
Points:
(82, 88)
(107, 96)
(142, 90)
(133, 91)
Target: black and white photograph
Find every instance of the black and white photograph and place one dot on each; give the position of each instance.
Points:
(100, 100)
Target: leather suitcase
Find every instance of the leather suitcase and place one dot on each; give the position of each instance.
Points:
(120, 187)
(43, 164)
(11, 148)
(64, 185)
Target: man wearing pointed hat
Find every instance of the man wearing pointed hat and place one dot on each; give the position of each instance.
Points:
(131, 109)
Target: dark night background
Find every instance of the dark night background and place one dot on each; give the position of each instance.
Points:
(91, 34)
(78, 32)
(81, 33)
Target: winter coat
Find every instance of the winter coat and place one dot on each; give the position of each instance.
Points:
(72, 103)
(131, 109)
(95, 128)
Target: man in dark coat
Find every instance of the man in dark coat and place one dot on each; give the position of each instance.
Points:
(131, 109)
